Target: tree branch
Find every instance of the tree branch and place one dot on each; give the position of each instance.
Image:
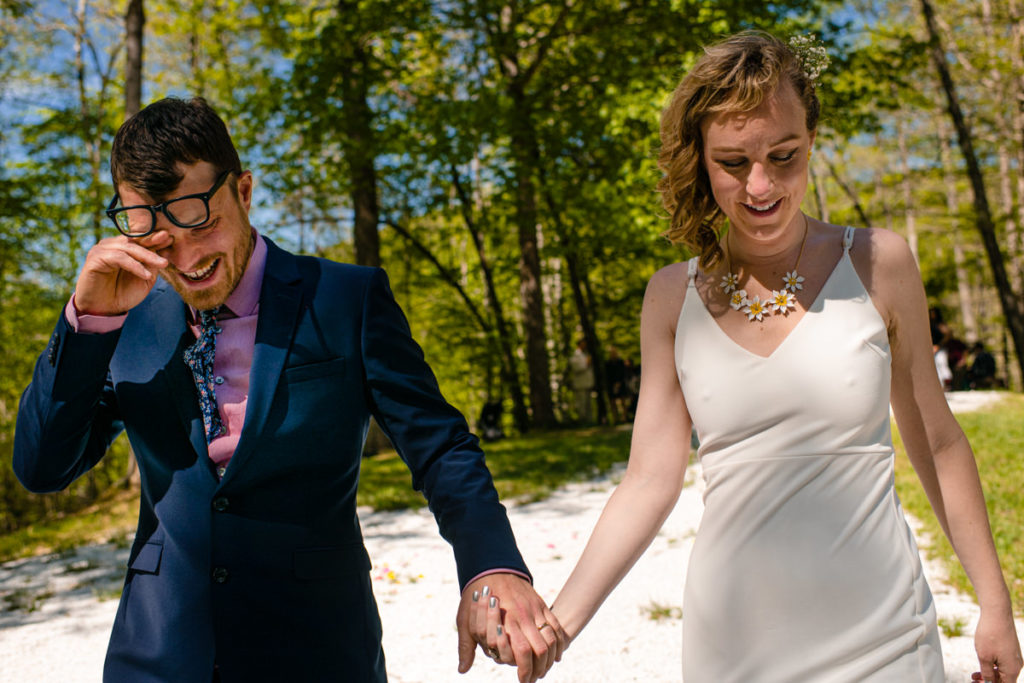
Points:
(446, 274)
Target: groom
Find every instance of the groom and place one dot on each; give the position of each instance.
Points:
(245, 378)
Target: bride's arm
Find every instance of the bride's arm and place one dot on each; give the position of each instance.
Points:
(657, 464)
(938, 449)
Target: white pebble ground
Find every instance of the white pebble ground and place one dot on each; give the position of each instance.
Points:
(635, 637)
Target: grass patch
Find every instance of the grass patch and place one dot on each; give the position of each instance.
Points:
(952, 628)
(25, 600)
(111, 519)
(104, 594)
(658, 612)
(525, 469)
(997, 435)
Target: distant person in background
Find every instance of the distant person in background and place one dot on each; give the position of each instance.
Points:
(618, 392)
(632, 387)
(956, 356)
(981, 373)
(942, 366)
(489, 425)
(941, 332)
(581, 378)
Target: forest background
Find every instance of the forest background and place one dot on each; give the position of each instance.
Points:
(498, 159)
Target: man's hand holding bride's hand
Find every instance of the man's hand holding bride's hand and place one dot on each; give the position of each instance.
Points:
(505, 616)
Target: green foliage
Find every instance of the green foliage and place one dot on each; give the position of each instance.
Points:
(525, 468)
(20, 509)
(110, 519)
(997, 437)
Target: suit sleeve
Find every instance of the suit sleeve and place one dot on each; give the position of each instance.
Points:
(67, 417)
(433, 439)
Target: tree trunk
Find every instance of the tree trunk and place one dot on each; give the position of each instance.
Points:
(849, 192)
(963, 282)
(1017, 93)
(983, 217)
(507, 46)
(358, 142)
(579, 284)
(134, 22)
(510, 377)
(909, 215)
(195, 46)
(821, 201)
(1013, 235)
(1005, 132)
(880, 193)
(524, 146)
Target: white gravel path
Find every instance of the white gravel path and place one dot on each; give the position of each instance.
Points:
(63, 639)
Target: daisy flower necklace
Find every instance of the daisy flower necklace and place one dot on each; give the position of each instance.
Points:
(780, 301)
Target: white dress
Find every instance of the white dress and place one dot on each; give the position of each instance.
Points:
(804, 568)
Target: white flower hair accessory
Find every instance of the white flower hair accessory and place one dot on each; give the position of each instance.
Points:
(812, 54)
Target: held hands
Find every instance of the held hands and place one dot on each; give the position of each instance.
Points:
(119, 272)
(505, 616)
(999, 654)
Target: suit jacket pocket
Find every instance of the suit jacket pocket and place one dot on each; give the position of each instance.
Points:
(318, 564)
(148, 559)
(325, 368)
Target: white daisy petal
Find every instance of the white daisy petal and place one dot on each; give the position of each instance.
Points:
(792, 280)
(755, 309)
(729, 282)
(781, 301)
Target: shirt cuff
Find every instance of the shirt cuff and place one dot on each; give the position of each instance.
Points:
(91, 324)
(498, 570)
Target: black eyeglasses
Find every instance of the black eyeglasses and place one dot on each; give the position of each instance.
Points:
(190, 211)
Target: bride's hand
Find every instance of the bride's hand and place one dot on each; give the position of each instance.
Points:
(998, 649)
(534, 651)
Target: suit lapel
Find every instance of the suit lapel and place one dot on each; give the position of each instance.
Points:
(169, 336)
(280, 304)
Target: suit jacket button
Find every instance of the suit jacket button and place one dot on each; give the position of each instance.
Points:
(220, 574)
(51, 351)
(220, 504)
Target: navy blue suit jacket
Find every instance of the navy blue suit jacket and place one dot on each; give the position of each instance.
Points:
(264, 572)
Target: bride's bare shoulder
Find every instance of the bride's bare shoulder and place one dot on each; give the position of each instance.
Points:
(669, 280)
(666, 291)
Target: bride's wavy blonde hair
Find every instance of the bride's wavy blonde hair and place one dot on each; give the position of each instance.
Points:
(734, 75)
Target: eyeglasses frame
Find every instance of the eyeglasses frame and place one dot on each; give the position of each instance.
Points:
(113, 209)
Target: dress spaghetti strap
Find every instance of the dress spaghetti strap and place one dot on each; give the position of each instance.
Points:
(848, 238)
(691, 272)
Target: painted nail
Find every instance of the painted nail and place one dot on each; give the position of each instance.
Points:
(487, 591)
(493, 603)
(500, 630)
(476, 596)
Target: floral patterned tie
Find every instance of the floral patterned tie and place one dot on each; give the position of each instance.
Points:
(199, 359)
